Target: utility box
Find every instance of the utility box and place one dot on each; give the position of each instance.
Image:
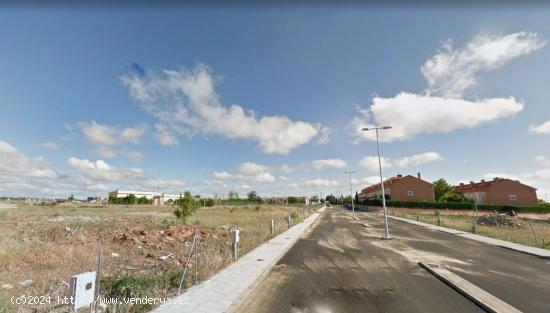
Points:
(235, 235)
(82, 290)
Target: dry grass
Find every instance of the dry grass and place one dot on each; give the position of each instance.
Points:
(34, 244)
(538, 236)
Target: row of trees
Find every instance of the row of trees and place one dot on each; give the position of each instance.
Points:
(130, 199)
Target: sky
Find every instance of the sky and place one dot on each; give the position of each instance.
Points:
(270, 99)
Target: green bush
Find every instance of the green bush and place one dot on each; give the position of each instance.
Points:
(456, 206)
(186, 206)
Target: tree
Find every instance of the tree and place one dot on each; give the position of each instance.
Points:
(210, 202)
(132, 199)
(71, 198)
(292, 200)
(356, 197)
(446, 193)
(314, 199)
(144, 200)
(253, 196)
(187, 206)
(331, 199)
(233, 195)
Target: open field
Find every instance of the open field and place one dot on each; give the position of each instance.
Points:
(144, 247)
(532, 229)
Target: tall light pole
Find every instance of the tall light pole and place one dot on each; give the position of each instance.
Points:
(387, 235)
(351, 190)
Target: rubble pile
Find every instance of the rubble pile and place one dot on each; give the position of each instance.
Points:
(499, 219)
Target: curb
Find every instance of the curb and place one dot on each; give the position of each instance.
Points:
(542, 253)
(222, 291)
(482, 298)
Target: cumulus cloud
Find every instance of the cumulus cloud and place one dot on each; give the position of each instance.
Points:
(412, 114)
(324, 136)
(370, 180)
(541, 160)
(370, 163)
(286, 169)
(449, 74)
(15, 163)
(417, 159)
(328, 164)
(185, 103)
(543, 128)
(49, 145)
(99, 170)
(451, 71)
(249, 172)
(111, 135)
(316, 183)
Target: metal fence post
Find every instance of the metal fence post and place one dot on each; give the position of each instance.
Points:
(288, 221)
(98, 278)
(272, 228)
(187, 263)
(534, 234)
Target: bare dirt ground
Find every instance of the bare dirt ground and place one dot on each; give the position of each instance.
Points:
(41, 247)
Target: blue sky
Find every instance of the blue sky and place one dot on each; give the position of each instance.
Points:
(90, 98)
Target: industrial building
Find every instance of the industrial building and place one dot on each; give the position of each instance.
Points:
(158, 198)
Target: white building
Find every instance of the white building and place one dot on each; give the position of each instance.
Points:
(158, 198)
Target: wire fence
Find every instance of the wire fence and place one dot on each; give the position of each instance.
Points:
(513, 228)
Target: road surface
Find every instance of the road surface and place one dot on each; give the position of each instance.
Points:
(342, 266)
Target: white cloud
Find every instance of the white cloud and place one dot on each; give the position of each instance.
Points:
(15, 163)
(541, 160)
(222, 175)
(185, 102)
(324, 136)
(370, 163)
(49, 145)
(543, 128)
(418, 159)
(103, 172)
(111, 135)
(249, 172)
(449, 74)
(329, 163)
(251, 168)
(412, 114)
(286, 169)
(370, 180)
(316, 183)
(451, 71)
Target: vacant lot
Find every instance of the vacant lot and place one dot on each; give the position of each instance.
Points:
(144, 247)
(528, 229)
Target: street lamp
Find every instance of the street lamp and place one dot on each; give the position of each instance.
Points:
(387, 236)
(351, 190)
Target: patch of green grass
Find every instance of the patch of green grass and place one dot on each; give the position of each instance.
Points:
(140, 286)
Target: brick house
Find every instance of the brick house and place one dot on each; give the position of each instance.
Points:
(404, 188)
(499, 191)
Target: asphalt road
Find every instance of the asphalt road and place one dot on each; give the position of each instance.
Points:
(342, 266)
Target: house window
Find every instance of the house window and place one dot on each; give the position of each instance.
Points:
(410, 193)
(512, 197)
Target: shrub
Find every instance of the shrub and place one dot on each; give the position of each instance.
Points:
(187, 206)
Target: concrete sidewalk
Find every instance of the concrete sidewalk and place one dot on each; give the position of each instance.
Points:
(543, 253)
(226, 288)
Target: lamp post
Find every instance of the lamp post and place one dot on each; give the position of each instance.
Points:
(387, 235)
(351, 190)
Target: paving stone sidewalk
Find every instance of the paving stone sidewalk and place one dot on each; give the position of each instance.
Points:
(227, 287)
